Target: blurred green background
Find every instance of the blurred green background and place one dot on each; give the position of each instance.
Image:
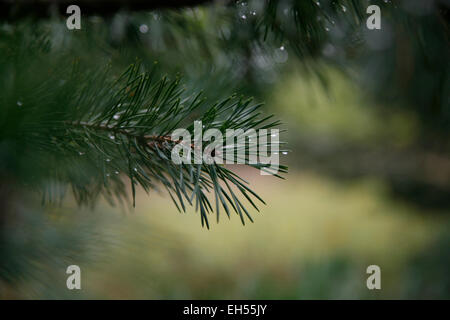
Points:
(314, 239)
(362, 189)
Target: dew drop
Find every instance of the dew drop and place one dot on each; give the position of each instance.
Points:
(244, 17)
(19, 103)
(116, 117)
(112, 137)
(81, 153)
(143, 28)
(108, 160)
(284, 152)
(116, 172)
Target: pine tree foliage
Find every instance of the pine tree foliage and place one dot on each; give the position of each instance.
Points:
(88, 130)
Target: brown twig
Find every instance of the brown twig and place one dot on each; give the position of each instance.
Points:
(149, 140)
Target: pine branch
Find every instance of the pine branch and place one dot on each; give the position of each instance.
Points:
(94, 129)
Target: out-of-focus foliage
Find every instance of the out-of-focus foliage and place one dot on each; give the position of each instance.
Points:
(315, 249)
